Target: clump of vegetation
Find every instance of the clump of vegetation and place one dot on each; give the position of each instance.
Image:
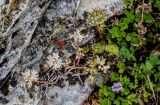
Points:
(97, 18)
(133, 40)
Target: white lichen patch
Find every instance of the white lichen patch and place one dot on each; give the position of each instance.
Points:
(54, 61)
(68, 95)
(22, 97)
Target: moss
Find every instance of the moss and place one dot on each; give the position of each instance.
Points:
(3, 11)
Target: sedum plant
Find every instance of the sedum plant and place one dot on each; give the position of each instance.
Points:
(112, 49)
(97, 18)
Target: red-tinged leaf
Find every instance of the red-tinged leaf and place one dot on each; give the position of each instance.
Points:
(59, 43)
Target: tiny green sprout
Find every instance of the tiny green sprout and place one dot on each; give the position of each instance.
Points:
(155, 4)
(128, 3)
(117, 33)
(114, 76)
(148, 18)
(133, 38)
(99, 48)
(112, 49)
(121, 67)
(126, 53)
(133, 98)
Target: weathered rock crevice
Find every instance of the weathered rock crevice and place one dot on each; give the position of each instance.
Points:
(29, 36)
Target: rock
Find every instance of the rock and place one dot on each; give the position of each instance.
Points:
(1, 2)
(69, 94)
(107, 5)
(30, 33)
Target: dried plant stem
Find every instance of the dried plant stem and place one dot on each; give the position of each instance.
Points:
(142, 12)
(79, 77)
(150, 84)
(71, 68)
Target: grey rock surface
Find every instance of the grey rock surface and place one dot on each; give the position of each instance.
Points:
(68, 95)
(29, 39)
